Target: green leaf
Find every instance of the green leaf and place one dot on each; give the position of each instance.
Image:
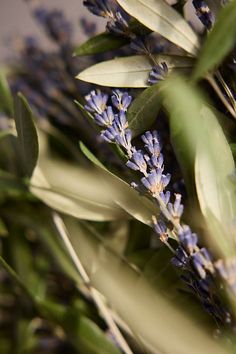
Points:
(144, 109)
(201, 146)
(127, 293)
(216, 193)
(90, 193)
(162, 18)
(219, 43)
(27, 135)
(90, 155)
(93, 340)
(100, 43)
(6, 102)
(130, 71)
(183, 102)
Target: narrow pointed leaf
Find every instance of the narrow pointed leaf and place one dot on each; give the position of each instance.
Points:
(27, 135)
(6, 102)
(144, 109)
(219, 43)
(130, 71)
(162, 18)
(100, 43)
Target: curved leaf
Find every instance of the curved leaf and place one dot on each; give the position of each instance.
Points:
(27, 135)
(143, 110)
(162, 18)
(216, 192)
(219, 43)
(100, 43)
(130, 71)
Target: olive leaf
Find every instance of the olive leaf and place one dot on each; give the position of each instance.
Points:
(162, 18)
(144, 109)
(100, 43)
(131, 71)
(26, 134)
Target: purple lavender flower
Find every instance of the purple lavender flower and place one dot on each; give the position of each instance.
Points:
(152, 143)
(158, 73)
(156, 182)
(227, 270)
(121, 100)
(141, 45)
(137, 162)
(96, 102)
(177, 208)
(118, 25)
(161, 229)
(99, 7)
(106, 118)
(188, 239)
(180, 260)
(204, 13)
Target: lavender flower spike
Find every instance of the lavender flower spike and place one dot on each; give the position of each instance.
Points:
(99, 7)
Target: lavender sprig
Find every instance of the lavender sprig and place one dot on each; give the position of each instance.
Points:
(195, 261)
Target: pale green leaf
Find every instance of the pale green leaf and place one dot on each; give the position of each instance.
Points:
(100, 43)
(144, 109)
(198, 137)
(27, 135)
(131, 71)
(162, 18)
(127, 293)
(216, 193)
(219, 43)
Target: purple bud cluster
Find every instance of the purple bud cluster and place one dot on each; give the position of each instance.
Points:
(158, 73)
(111, 117)
(204, 13)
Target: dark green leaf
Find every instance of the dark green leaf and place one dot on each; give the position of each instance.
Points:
(6, 102)
(27, 135)
(100, 43)
(219, 43)
(144, 109)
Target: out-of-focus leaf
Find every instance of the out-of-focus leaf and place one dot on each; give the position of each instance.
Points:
(216, 193)
(89, 193)
(127, 294)
(143, 111)
(93, 340)
(198, 136)
(6, 102)
(220, 41)
(184, 104)
(131, 71)
(162, 18)
(100, 43)
(27, 135)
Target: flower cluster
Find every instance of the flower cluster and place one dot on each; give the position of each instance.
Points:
(204, 14)
(158, 73)
(53, 21)
(196, 262)
(111, 117)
